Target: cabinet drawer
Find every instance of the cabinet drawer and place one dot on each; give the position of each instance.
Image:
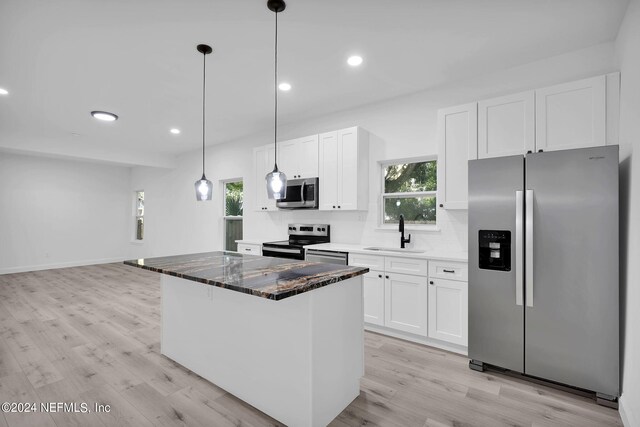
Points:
(406, 266)
(247, 248)
(451, 270)
(373, 262)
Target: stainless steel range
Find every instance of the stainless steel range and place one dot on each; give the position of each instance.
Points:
(300, 235)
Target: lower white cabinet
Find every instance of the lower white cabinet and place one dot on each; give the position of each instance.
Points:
(391, 299)
(374, 297)
(250, 248)
(425, 298)
(406, 304)
(448, 310)
(448, 302)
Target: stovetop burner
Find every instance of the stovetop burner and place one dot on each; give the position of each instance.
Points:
(300, 235)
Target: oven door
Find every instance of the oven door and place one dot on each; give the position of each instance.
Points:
(301, 194)
(282, 252)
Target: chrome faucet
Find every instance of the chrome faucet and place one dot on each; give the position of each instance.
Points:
(401, 230)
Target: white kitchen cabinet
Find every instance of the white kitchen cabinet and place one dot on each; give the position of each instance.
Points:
(344, 169)
(448, 302)
(298, 158)
(457, 143)
(394, 300)
(404, 265)
(402, 301)
(506, 125)
(406, 303)
(373, 284)
(450, 270)
(250, 248)
(448, 308)
(372, 262)
(264, 158)
(571, 115)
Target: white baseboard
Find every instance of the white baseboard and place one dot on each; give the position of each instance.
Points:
(629, 419)
(454, 348)
(26, 268)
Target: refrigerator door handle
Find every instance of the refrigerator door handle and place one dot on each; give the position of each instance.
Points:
(529, 249)
(519, 252)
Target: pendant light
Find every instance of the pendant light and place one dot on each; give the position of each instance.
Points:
(204, 187)
(276, 180)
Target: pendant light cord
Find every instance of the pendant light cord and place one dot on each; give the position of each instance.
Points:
(275, 86)
(204, 83)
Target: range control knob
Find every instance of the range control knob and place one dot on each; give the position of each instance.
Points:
(319, 229)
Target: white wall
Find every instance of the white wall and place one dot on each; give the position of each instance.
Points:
(57, 212)
(628, 52)
(400, 128)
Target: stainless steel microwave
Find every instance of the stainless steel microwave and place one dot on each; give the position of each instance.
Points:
(301, 194)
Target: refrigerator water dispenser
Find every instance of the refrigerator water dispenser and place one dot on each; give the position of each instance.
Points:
(495, 250)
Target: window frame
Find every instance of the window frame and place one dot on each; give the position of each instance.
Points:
(381, 213)
(134, 238)
(226, 217)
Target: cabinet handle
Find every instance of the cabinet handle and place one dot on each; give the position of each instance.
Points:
(338, 207)
(334, 207)
(431, 282)
(448, 271)
(380, 276)
(386, 277)
(441, 205)
(248, 249)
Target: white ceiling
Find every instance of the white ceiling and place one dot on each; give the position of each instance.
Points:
(60, 59)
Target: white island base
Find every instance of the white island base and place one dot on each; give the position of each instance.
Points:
(298, 360)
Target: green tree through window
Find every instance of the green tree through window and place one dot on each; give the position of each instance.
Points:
(233, 191)
(410, 190)
(233, 199)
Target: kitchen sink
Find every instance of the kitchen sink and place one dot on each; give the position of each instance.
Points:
(400, 250)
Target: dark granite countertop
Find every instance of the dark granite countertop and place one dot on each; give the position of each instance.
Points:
(266, 277)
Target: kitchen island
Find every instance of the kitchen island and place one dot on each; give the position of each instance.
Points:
(285, 336)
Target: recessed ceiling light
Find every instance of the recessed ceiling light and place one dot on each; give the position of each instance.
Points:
(354, 60)
(284, 86)
(3, 91)
(104, 115)
(174, 131)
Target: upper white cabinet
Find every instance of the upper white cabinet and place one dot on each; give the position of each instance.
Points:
(298, 158)
(344, 169)
(506, 125)
(583, 113)
(571, 115)
(263, 160)
(457, 143)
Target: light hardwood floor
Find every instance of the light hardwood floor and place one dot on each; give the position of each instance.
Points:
(92, 334)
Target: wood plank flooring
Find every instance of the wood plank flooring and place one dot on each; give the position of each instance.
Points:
(92, 334)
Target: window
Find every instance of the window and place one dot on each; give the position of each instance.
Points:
(139, 212)
(409, 189)
(233, 194)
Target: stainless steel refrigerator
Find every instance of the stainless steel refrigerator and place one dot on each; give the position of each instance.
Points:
(543, 266)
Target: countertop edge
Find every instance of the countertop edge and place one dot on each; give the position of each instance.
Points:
(359, 249)
(267, 295)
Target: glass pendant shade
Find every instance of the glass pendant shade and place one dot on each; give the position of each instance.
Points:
(276, 184)
(204, 189)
